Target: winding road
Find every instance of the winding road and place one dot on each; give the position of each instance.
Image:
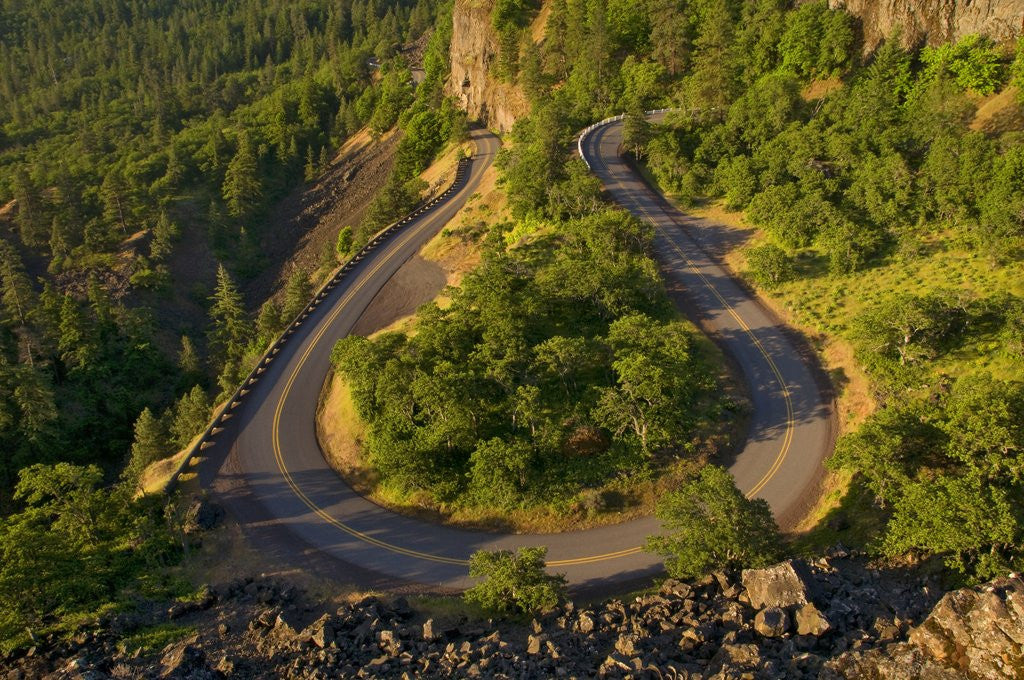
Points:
(273, 477)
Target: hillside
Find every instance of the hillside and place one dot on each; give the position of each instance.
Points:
(578, 405)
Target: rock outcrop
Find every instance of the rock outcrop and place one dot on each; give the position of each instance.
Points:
(973, 633)
(831, 619)
(474, 49)
(935, 21)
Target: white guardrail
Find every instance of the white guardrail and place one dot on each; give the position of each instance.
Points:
(588, 130)
(224, 413)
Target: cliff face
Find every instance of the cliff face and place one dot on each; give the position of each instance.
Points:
(473, 51)
(935, 21)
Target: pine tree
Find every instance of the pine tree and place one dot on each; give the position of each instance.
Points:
(228, 315)
(114, 191)
(309, 172)
(268, 323)
(191, 414)
(151, 442)
(164, 233)
(31, 217)
(325, 159)
(188, 358)
(343, 246)
(18, 298)
(297, 293)
(242, 187)
(17, 295)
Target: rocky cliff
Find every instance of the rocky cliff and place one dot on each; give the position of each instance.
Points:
(935, 21)
(474, 48)
(833, 618)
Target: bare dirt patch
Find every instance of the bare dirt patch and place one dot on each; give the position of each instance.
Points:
(306, 223)
(416, 283)
(819, 89)
(1000, 113)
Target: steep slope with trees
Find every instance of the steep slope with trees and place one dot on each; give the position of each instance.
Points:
(141, 148)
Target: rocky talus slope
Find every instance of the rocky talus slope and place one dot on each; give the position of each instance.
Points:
(832, 618)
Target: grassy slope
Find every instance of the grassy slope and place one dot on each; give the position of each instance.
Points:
(823, 307)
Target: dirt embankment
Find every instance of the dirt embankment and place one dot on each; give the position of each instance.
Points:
(306, 223)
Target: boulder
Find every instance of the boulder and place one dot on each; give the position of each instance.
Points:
(772, 622)
(784, 585)
(733, 659)
(977, 630)
(810, 621)
(185, 660)
(972, 632)
(627, 645)
(202, 515)
(320, 632)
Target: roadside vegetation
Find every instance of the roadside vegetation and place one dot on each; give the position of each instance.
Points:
(888, 217)
(135, 145)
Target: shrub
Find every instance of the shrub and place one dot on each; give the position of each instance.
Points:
(514, 583)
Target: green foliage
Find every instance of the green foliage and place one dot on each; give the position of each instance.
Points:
(1000, 228)
(73, 545)
(950, 468)
(242, 190)
(297, 294)
(1013, 329)
(394, 94)
(509, 18)
(189, 416)
(513, 583)
(769, 265)
(343, 246)
(973, 61)
(818, 42)
(552, 369)
(151, 442)
(710, 525)
(153, 122)
(905, 328)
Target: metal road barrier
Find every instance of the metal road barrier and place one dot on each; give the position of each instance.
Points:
(225, 412)
(588, 130)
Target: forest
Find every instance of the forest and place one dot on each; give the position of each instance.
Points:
(558, 365)
(889, 214)
(132, 136)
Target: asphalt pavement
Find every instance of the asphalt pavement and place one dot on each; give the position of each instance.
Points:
(275, 481)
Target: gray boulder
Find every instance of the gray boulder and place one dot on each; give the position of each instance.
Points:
(783, 585)
(810, 621)
(772, 622)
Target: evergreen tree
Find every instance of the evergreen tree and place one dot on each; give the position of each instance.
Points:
(190, 415)
(242, 188)
(151, 442)
(114, 192)
(227, 312)
(297, 294)
(188, 358)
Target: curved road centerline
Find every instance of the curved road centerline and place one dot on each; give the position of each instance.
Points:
(277, 461)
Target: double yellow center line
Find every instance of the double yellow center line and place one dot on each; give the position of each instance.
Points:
(362, 536)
